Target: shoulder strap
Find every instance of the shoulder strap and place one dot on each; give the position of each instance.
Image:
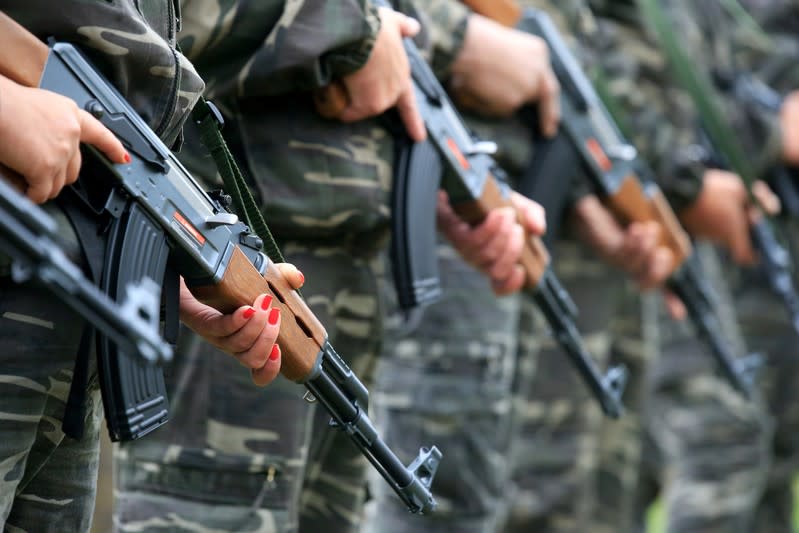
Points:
(210, 121)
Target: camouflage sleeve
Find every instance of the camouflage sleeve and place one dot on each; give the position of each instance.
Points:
(446, 21)
(254, 49)
(133, 45)
(771, 42)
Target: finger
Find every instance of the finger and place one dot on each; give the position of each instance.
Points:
(58, 183)
(409, 113)
(674, 306)
(39, 190)
(259, 338)
(94, 133)
(531, 214)
(549, 104)
(768, 200)
(291, 274)
(267, 373)
(247, 343)
(488, 246)
(513, 283)
(73, 168)
(409, 26)
(633, 250)
(502, 268)
(220, 327)
(739, 242)
(353, 113)
(659, 268)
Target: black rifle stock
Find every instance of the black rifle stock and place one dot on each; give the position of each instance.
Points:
(155, 198)
(615, 170)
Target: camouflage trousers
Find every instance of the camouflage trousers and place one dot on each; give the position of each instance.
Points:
(768, 331)
(445, 378)
(557, 433)
(704, 444)
(47, 480)
(236, 458)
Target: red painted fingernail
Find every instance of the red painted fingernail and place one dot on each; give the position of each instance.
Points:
(275, 353)
(274, 314)
(126, 157)
(249, 312)
(302, 277)
(267, 301)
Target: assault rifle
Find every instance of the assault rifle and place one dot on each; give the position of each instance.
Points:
(474, 191)
(614, 168)
(160, 220)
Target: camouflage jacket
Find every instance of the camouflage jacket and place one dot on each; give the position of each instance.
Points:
(133, 43)
(316, 180)
(723, 48)
(254, 49)
(775, 26)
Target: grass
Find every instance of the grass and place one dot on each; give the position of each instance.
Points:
(656, 518)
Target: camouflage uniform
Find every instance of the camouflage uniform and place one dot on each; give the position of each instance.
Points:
(551, 433)
(323, 187)
(771, 52)
(446, 375)
(715, 444)
(49, 479)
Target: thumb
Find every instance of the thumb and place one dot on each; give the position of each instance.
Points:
(291, 274)
(409, 26)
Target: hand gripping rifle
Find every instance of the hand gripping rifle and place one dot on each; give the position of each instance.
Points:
(160, 219)
(474, 192)
(613, 166)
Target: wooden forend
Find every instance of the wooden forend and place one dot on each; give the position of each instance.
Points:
(535, 257)
(631, 204)
(506, 12)
(301, 334)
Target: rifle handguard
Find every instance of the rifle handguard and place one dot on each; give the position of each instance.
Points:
(632, 204)
(535, 257)
(301, 335)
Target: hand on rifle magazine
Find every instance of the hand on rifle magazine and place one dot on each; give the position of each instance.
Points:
(41, 132)
(385, 80)
(789, 123)
(248, 333)
(495, 245)
(635, 249)
(498, 70)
